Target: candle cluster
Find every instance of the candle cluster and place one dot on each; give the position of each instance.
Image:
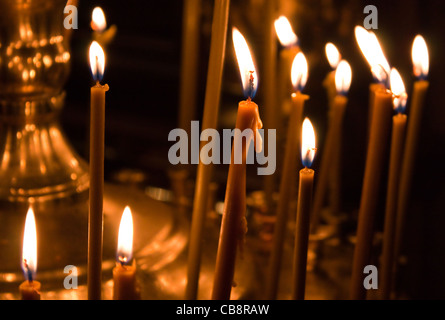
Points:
(387, 124)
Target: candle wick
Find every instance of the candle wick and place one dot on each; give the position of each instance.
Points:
(251, 85)
(28, 272)
(122, 260)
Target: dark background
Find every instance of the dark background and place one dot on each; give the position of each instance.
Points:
(143, 69)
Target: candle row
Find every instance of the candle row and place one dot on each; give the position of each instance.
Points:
(389, 95)
(124, 274)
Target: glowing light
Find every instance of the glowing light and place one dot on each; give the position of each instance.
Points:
(420, 57)
(299, 72)
(285, 33)
(98, 21)
(343, 77)
(332, 54)
(97, 61)
(308, 143)
(249, 76)
(398, 90)
(371, 49)
(125, 238)
(29, 252)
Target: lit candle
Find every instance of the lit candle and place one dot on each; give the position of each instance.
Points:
(397, 143)
(420, 65)
(371, 49)
(299, 75)
(97, 136)
(334, 57)
(233, 225)
(99, 25)
(331, 160)
(303, 211)
(124, 274)
(289, 42)
(209, 120)
(378, 139)
(30, 289)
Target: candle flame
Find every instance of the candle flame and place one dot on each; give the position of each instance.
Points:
(125, 238)
(29, 251)
(97, 61)
(398, 91)
(299, 72)
(285, 33)
(420, 57)
(343, 77)
(332, 54)
(308, 143)
(249, 76)
(98, 21)
(371, 49)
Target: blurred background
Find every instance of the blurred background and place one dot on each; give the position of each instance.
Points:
(143, 71)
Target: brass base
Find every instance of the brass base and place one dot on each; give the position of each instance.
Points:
(160, 235)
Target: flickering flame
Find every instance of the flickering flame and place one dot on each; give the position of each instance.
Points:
(299, 72)
(420, 57)
(285, 33)
(371, 49)
(249, 76)
(307, 143)
(332, 54)
(97, 61)
(29, 252)
(125, 238)
(343, 76)
(398, 90)
(98, 21)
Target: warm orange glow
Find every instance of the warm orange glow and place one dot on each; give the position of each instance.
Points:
(398, 90)
(371, 49)
(125, 238)
(332, 54)
(299, 72)
(285, 33)
(29, 252)
(420, 57)
(343, 77)
(307, 143)
(97, 60)
(249, 76)
(98, 21)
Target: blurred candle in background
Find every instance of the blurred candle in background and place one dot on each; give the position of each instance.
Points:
(289, 42)
(209, 120)
(331, 156)
(333, 56)
(99, 25)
